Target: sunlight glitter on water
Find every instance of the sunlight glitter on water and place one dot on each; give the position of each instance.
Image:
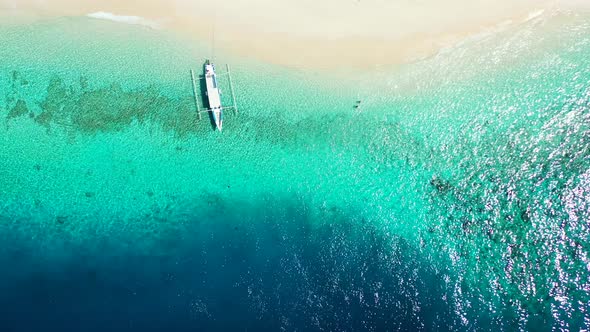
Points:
(458, 202)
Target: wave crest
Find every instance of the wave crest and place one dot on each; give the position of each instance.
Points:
(136, 20)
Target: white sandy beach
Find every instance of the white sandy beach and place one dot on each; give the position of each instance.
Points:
(309, 33)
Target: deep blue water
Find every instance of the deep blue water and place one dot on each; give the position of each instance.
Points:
(265, 267)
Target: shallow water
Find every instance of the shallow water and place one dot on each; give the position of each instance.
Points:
(456, 197)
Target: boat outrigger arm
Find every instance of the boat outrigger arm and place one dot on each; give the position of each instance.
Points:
(214, 94)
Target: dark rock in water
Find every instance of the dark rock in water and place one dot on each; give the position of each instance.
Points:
(61, 220)
(524, 216)
(442, 186)
(213, 199)
(84, 83)
(19, 109)
(18, 79)
(44, 118)
(89, 194)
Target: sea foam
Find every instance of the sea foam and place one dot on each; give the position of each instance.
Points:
(137, 20)
(534, 14)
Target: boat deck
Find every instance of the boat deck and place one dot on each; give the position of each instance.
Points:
(212, 89)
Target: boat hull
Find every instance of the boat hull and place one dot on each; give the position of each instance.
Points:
(218, 119)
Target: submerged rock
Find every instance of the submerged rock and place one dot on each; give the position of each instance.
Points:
(442, 186)
(18, 110)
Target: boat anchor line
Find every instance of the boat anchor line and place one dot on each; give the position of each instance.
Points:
(213, 93)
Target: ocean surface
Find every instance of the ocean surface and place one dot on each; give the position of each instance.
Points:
(456, 197)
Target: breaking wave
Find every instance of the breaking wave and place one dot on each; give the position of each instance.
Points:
(136, 20)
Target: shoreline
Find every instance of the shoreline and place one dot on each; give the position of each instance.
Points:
(363, 34)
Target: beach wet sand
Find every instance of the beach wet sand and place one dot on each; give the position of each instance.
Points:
(304, 34)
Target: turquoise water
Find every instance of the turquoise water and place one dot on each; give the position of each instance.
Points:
(456, 197)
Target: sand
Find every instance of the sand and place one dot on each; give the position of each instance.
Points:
(309, 33)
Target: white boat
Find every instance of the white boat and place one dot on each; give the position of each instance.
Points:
(214, 95)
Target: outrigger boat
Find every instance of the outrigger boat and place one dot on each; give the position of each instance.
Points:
(214, 94)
